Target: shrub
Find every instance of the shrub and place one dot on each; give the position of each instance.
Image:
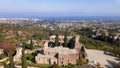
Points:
(54, 66)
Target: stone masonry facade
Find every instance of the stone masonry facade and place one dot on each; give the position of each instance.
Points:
(57, 55)
(60, 55)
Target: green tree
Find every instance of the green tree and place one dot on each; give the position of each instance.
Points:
(54, 66)
(1, 37)
(81, 59)
(98, 65)
(24, 65)
(65, 39)
(30, 57)
(31, 44)
(83, 49)
(56, 40)
(117, 66)
(6, 65)
(11, 60)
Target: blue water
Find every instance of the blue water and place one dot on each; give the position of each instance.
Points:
(81, 18)
(71, 17)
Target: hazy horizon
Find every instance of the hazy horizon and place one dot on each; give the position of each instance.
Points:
(36, 8)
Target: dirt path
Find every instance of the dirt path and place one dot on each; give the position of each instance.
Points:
(106, 61)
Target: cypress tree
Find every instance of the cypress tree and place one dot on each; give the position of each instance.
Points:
(65, 39)
(6, 66)
(31, 44)
(56, 40)
(24, 65)
(83, 52)
(11, 60)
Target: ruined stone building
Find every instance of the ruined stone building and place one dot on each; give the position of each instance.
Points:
(57, 55)
(60, 55)
(73, 41)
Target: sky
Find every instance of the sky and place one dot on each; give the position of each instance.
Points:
(36, 8)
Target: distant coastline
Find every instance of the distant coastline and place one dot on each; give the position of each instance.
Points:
(72, 17)
(82, 18)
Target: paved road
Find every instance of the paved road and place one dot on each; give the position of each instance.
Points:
(106, 61)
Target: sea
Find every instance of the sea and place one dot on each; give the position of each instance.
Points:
(71, 17)
(81, 18)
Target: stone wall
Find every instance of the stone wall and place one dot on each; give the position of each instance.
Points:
(57, 55)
